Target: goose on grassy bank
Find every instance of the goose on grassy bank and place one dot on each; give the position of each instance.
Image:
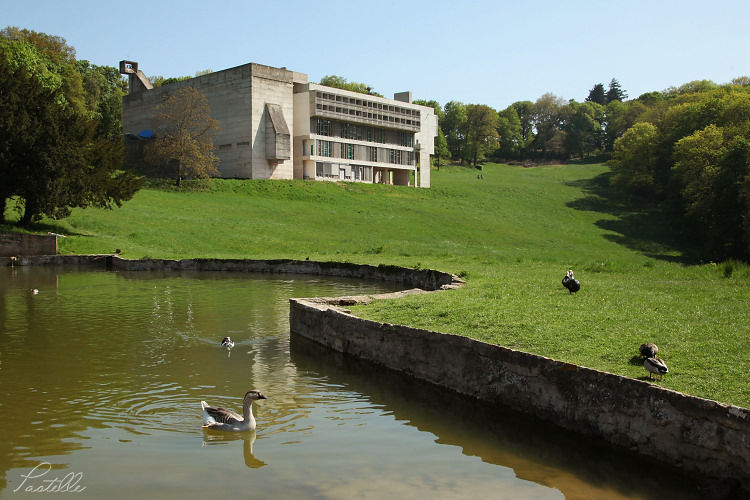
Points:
(569, 282)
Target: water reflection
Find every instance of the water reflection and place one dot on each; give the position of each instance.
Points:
(213, 437)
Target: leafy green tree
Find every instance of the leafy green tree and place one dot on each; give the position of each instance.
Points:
(509, 130)
(634, 161)
(184, 136)
(454, 127)
(340, 82)
(597, 95)
(525, 111)
(481, 131)
(51, 158)
(582, 125)
(547, 119)
(615, 92)
(104, 87)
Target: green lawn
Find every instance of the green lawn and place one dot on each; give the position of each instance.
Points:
(512, 234)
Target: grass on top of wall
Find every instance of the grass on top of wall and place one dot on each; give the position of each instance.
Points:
(512, 234)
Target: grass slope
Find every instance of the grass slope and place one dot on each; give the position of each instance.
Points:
(512, 234)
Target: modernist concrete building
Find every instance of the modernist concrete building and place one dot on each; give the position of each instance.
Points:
(274, 124)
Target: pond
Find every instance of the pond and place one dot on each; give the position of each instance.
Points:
(102, 374)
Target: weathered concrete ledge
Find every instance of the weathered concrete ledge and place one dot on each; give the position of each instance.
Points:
(694, 434)
(424, 279)
(27, 244)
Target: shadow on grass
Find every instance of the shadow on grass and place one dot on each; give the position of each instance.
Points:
(38, 228)
(636, 361)
(636, 225)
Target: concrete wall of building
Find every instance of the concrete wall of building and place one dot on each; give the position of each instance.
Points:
(301, 131)
(695, 434)
(426, 139)
(14, 244)
(228, 95)
(270, 86)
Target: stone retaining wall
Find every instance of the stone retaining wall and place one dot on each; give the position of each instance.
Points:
(14, 244)
(694, 434)
(425, 279)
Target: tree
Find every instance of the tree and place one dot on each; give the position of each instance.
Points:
(582, 127)
(525, 111)
(509, 130)
(184, 129)
(547, 120)
(481, 131)
(634, 161)
(51, 157)
(454, 128)
(615, 92)
(597, 95)
(104, 87)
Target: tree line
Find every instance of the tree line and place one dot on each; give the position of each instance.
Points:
(686, 149)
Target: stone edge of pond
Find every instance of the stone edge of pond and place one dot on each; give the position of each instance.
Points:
(688, 432)
(691, 433)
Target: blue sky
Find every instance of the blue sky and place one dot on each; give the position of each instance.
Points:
(479, 52)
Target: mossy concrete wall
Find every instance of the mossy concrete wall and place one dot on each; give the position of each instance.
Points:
(694, 434)
(14, 244)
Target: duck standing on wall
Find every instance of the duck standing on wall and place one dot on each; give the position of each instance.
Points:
(226, 420)
(569, 282)
(655, 366)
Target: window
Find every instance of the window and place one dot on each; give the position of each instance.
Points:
(323, 127)
(324, 148)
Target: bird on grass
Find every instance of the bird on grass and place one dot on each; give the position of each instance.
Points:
(655, 366)
(649, 350)
(226, 420)
(569, 282)
(227, 342)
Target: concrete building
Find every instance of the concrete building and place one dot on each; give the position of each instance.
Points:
(274, 124)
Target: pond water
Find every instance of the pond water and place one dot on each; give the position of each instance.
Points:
(102, 374)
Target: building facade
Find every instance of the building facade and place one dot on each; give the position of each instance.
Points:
(274, 124)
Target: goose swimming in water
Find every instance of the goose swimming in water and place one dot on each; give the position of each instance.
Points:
(227, 342)
(656, 366)
(227, 420)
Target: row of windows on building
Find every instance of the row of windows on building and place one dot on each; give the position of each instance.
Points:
(344, 172)
(349, 151)
(332, 128)
(365, 103)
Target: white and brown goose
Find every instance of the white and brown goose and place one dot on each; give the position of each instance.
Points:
(226, 420)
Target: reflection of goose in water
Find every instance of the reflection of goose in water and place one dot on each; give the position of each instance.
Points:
(211, 437)
(226, 420)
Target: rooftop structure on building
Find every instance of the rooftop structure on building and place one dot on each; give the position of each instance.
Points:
(274, 124)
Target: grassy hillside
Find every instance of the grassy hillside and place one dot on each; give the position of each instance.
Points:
(512, 234)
